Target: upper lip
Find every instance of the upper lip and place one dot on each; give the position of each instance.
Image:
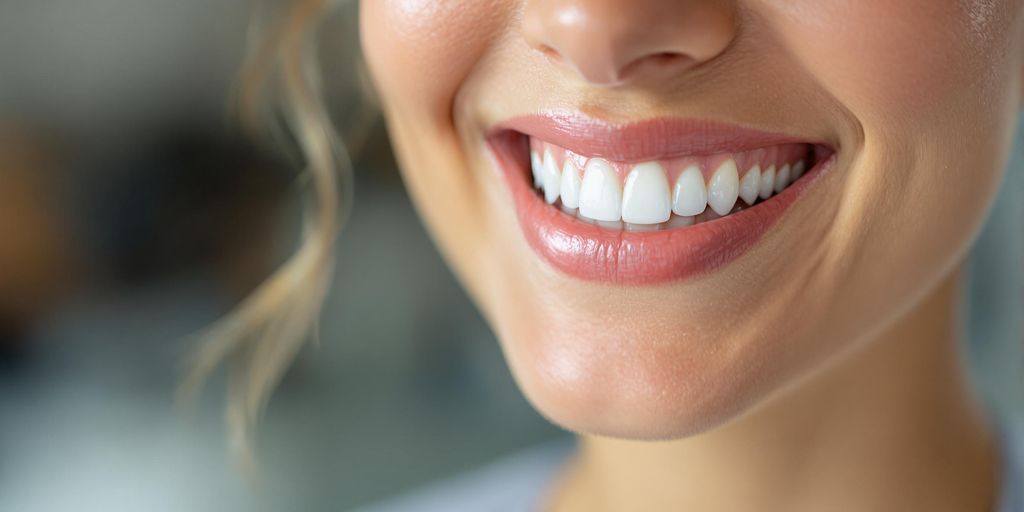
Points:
(643, 140)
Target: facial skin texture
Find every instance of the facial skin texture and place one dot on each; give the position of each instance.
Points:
(918, 97)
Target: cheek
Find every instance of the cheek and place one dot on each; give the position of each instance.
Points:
(887, 59)
(420, 51)
(933, 87)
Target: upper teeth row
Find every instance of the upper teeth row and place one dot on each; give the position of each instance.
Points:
(645, 198)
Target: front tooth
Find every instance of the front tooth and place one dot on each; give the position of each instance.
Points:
(724, 188)
(782, 179)
(645, 198)
(551, 178)
(690, 196)
(537, 167)
(600, 194)
(768, 182)
(750, 185)
(570, 187)
(798, 170)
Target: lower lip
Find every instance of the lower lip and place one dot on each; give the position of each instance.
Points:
(588, 252)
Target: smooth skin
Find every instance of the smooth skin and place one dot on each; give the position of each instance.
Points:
(819, 371)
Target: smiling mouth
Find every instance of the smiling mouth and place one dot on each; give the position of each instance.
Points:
(649, 202)
(664, 193)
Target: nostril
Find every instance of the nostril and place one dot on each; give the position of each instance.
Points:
(666, 58)
(550, 52)
(656, 61)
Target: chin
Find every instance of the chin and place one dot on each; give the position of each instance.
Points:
(636, 383)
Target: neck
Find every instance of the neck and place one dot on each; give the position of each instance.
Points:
(893, 426)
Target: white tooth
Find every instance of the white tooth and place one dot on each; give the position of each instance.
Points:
(798, 170)
(600, 193)
(768, 182)
(570, 188)
(645, 198)
(724, 188)
(551, 177)
(537, 167)
(750, 185)
(690, 196)
(782, 179)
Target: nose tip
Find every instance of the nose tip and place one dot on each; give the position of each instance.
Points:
(608, 42)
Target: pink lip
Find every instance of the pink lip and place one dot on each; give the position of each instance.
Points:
(647, 140)
(592, 253)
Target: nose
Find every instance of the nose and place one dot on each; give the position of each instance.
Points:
(609, 42)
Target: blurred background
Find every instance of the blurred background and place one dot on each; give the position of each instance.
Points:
(131, 218)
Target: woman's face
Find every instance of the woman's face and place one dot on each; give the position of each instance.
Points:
(729, 193)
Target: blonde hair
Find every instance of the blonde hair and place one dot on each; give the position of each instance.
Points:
(278, 96)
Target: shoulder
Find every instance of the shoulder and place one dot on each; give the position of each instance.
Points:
(515, 482)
